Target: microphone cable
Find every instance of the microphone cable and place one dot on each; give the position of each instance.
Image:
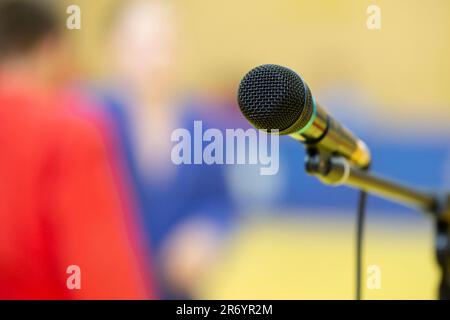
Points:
(360, 220)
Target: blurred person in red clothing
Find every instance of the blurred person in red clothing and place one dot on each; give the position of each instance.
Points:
(61, 200)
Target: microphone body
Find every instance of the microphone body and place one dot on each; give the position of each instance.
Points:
(272, 97)
(324, 132)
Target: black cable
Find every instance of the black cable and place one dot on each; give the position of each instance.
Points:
(360, 219)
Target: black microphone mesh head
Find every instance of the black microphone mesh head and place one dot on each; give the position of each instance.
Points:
(274, 97)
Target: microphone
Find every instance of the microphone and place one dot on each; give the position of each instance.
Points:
(273, 97)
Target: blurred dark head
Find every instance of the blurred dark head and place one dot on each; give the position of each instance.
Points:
(24, 24)
(31, 39)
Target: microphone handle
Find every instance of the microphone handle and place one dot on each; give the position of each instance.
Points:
(325, 133)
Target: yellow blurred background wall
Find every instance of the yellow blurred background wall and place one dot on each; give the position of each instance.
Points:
(404, 66)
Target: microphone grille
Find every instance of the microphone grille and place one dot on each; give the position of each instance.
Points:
(274, 97)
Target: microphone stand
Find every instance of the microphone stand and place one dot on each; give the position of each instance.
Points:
(336, 170)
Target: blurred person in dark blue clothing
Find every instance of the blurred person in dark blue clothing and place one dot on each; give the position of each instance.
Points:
(186, 209)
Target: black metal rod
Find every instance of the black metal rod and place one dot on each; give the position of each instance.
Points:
(391, 190)
(338, 171)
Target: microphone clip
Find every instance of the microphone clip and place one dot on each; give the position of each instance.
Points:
(330, 169)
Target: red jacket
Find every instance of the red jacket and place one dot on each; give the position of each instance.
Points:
(61, 205)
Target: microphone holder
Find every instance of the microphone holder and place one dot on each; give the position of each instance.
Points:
(336, 171)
